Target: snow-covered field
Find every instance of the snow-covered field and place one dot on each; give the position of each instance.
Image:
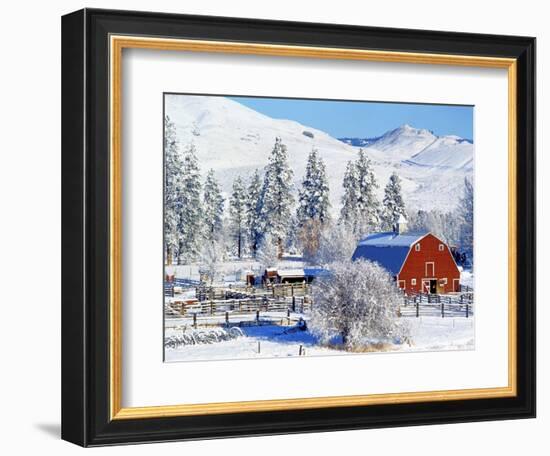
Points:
(427, 334)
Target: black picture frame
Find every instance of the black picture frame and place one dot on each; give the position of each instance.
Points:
(85, 228)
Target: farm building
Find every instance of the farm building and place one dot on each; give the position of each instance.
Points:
(307, 275)
(419, 262)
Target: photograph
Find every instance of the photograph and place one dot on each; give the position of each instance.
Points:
(309, 227)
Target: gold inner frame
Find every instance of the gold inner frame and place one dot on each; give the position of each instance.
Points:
(117, 44)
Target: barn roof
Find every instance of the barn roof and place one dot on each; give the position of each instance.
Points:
(387, 249)
(291, 273)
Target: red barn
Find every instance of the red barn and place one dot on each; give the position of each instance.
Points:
(419, 262)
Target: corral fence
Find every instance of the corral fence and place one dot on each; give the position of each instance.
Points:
(169, 286)
(448, 305)
(295, 304)
(279, 290)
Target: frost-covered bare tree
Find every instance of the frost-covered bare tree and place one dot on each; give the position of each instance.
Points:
(360, 303)
(337, 243)
(444, 225)
(211, 255)
(268, 253)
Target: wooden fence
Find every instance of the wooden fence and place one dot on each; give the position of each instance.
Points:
(238, 306)
(282, 290)
(449, 305)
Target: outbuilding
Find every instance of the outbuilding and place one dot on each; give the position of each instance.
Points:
(419, 262)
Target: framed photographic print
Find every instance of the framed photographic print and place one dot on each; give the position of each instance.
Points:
(278, 227)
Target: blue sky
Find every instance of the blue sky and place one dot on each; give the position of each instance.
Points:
(366, 119)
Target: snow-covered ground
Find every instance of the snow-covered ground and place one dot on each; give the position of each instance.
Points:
(427, 334)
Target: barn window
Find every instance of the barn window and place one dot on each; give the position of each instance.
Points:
(441, 247)
(413, 281)
(443, 281)
(417, 247)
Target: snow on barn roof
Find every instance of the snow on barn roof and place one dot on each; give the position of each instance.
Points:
(291, 273)
(387, 249)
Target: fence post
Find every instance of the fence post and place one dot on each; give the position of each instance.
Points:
(258, 317)
(227, 318)
(442, 309)
(467, 310)
(288, 316)
(300, 351)
(417, 310)
(211, 307)
(195, 320)
(293, 303)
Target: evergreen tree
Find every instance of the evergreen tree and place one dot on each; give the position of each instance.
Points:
(253, 213)
(188, 207)
(394, 206)
(360, 206)
(172, 188)
(466, 214)
(276, 195)
(367, 203)
(313, 205)
(213, 208)
(349, 212)
(313, 202)
(237, 214)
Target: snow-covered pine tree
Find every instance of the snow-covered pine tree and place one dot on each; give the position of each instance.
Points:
(359, 302)
(253, 213)
(189, 208)
(394, 206)
(313, 204)
(367, 203)
(173, 165)
(213, 208)
(349, 212)
(313, 200)
(466, 214)
(237, 216)
(276, 196)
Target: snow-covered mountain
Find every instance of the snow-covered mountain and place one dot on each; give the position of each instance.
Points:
(234, 140)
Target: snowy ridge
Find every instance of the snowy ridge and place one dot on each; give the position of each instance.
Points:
(234, 140)
(446, 152)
